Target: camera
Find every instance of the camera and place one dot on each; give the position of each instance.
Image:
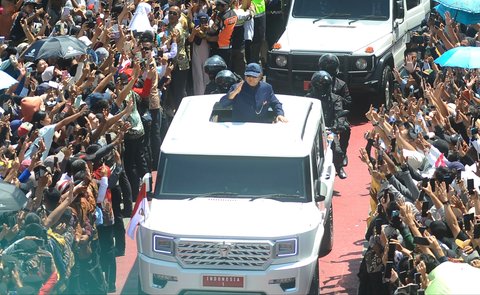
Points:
(474, 130)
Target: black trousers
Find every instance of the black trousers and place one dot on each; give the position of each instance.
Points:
(344, 139)
(155, 136)
(118, 226)
(126, 195)
(135, 163)
(178, 87)
(259, 24)
(107, 254)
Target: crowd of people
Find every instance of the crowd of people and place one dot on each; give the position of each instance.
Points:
(422, 153)
(78, 132)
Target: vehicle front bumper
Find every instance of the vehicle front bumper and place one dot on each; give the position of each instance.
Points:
(293, 82)
(190, 281)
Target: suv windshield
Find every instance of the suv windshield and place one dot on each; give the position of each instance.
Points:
(342, 9)
(187, 176)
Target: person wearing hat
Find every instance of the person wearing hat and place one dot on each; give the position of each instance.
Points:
(251, 98)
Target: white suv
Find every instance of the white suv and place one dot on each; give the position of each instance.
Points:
(242, 208)
(368, 36)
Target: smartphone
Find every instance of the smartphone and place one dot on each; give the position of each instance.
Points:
(425, 207)
(476, 231)
(432, 184)
(65, 12)
(466, 221)
(421, 241)
(391, 252)
(459, 174)
(418, 278)
(422, 229)
(421, 196)
(380, 157)
(470, 185)
(378, 225)
(411, 264)
(388, 270)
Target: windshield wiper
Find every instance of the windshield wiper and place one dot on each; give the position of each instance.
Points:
(275, 196)
(331, 15)
(368, 17)
(214, 194)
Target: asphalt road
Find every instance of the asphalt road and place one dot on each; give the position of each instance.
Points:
(338, 270)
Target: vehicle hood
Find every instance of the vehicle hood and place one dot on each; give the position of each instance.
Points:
(228, 217)
(333, 35)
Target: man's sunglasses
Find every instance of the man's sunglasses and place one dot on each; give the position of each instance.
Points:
(173, 13)
(147, 49)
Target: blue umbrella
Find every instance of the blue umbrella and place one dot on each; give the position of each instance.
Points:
(463, 11)
(460, 57)
(6, 80)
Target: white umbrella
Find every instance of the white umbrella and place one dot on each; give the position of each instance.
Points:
(6, 81)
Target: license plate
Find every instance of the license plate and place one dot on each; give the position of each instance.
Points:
(223, 281)
(306, 85)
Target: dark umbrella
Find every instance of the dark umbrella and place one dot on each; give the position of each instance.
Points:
(11, 197)
(58, 46)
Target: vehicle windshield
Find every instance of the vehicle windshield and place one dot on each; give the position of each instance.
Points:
(191, 176)
(342, 9)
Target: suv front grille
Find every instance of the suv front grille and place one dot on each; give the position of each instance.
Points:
(307, 62)
(224, 254)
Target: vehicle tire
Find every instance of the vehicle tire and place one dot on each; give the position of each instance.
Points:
(386, 87)
(327, 240)
(315, 285)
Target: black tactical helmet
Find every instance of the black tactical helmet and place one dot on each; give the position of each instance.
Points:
(329, 63)
(224, 80)
(213, 65)
(322, 82)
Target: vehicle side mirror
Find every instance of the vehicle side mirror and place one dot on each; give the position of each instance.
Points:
(318, 196)
(399, 9)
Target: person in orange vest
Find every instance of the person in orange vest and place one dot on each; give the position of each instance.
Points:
(224, 24)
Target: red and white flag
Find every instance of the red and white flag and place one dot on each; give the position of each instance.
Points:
(142, 208)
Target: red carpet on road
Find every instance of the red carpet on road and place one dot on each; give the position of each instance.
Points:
(338, 270)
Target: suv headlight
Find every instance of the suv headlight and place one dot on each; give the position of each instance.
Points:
(287, 247)
(361, 64)
(163, 244)
(281, 61)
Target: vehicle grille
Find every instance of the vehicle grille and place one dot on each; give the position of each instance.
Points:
(304, 62)
(224, 254)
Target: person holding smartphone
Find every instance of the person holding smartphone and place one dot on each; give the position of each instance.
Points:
(200, 52)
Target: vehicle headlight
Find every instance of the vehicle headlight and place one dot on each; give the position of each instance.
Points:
(163, 244)
(287, 247)
(281, 60)
(361, 64)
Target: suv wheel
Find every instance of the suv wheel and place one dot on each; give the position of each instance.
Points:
(386, 87)
(315, 285)
(327, 239)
